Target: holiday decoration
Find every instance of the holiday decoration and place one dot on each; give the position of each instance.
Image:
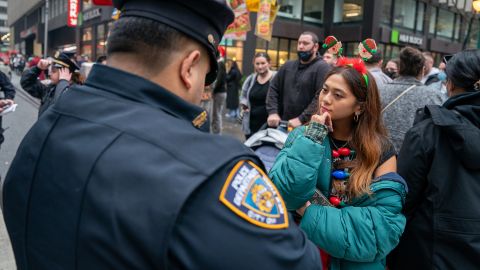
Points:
(367, 48)
(332, 45)
(357, 64)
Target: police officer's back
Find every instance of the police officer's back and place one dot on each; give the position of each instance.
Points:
(121, 173)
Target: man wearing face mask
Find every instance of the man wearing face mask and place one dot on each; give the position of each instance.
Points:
(293, 93)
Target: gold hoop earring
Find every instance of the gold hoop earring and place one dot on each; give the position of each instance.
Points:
(355, 117)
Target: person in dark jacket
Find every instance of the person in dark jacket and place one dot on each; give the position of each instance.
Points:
(219, 96)
(439, 160)
(62, 72)
(123, 173)
(234, 76)
(7, 100)
(293, 93)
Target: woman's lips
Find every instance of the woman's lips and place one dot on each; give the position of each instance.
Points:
(324, 109)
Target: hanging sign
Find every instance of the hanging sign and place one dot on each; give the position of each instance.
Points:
(73, 8)
(241, 25)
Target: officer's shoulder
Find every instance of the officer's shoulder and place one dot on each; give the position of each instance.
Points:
(249, 193)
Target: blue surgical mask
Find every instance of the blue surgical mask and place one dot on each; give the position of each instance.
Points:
(442, 76)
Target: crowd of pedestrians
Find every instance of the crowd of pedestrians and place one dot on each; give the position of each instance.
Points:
(380, 168)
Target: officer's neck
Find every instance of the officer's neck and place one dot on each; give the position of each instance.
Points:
(164, 78)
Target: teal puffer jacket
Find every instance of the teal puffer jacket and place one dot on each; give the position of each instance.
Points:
(358, 236)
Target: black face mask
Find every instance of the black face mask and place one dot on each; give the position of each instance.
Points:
(391, 74)
(305, 56)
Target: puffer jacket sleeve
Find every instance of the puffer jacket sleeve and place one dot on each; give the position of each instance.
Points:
(296, 169)
(364, 233)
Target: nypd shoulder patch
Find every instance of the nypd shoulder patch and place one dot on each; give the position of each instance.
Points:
(249, 193)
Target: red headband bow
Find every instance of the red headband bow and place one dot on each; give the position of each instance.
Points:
(355, 63)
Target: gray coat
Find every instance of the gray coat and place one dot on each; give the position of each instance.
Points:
(399, 116)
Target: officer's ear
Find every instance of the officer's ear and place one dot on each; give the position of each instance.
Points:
(189, 68)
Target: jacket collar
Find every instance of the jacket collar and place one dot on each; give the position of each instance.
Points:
(407, 80)
(141, 90)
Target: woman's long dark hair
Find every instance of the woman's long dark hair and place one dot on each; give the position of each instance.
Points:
(369, 133)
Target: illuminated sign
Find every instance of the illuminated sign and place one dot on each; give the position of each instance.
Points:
(73, 8)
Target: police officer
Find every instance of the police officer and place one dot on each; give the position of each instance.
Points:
(62, 74)
(121, 173)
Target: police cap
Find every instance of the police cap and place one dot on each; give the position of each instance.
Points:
(202, 20)
(63, 60)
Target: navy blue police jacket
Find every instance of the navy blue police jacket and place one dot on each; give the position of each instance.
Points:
(122, 174)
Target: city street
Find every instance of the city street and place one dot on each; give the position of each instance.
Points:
(18, 124)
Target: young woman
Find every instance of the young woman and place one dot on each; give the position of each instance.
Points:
(254, 95)
(344, 154)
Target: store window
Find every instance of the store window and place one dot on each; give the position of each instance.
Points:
(87, 34)
(404, 14)
(348, 11)
(101, 42)
(280, 50)
(350, 49)
(458, 23)
(390, 52)
(234, 50)
(446, 20)
(386, 12)
(420, 16)
(87, 42)
(474, 40)
(313, 11)
(290, 8)
(87, 4)
(433, 20)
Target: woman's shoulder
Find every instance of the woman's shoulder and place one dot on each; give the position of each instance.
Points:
(387, 150)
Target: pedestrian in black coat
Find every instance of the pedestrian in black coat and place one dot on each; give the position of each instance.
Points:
(439, 160)
(8, 90)
(234, 76)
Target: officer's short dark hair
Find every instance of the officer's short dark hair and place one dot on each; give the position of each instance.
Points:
(313, 35)
(412, 62)
(151, 41)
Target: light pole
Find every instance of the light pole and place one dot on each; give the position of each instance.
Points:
(476, 8)
(45, 37)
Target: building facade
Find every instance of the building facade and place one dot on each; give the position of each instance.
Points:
(438, 26)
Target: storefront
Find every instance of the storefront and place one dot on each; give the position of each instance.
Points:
(439, 27)
(95, 24)
(436, 28)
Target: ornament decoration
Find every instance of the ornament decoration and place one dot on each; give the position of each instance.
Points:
(341, 175)
(355, 63)
(333, 45)
(367, 48)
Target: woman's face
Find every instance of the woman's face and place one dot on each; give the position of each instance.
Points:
(54, 75)
(337, 99)
(261, 65)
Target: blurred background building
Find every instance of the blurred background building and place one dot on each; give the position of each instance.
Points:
(438, 26)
